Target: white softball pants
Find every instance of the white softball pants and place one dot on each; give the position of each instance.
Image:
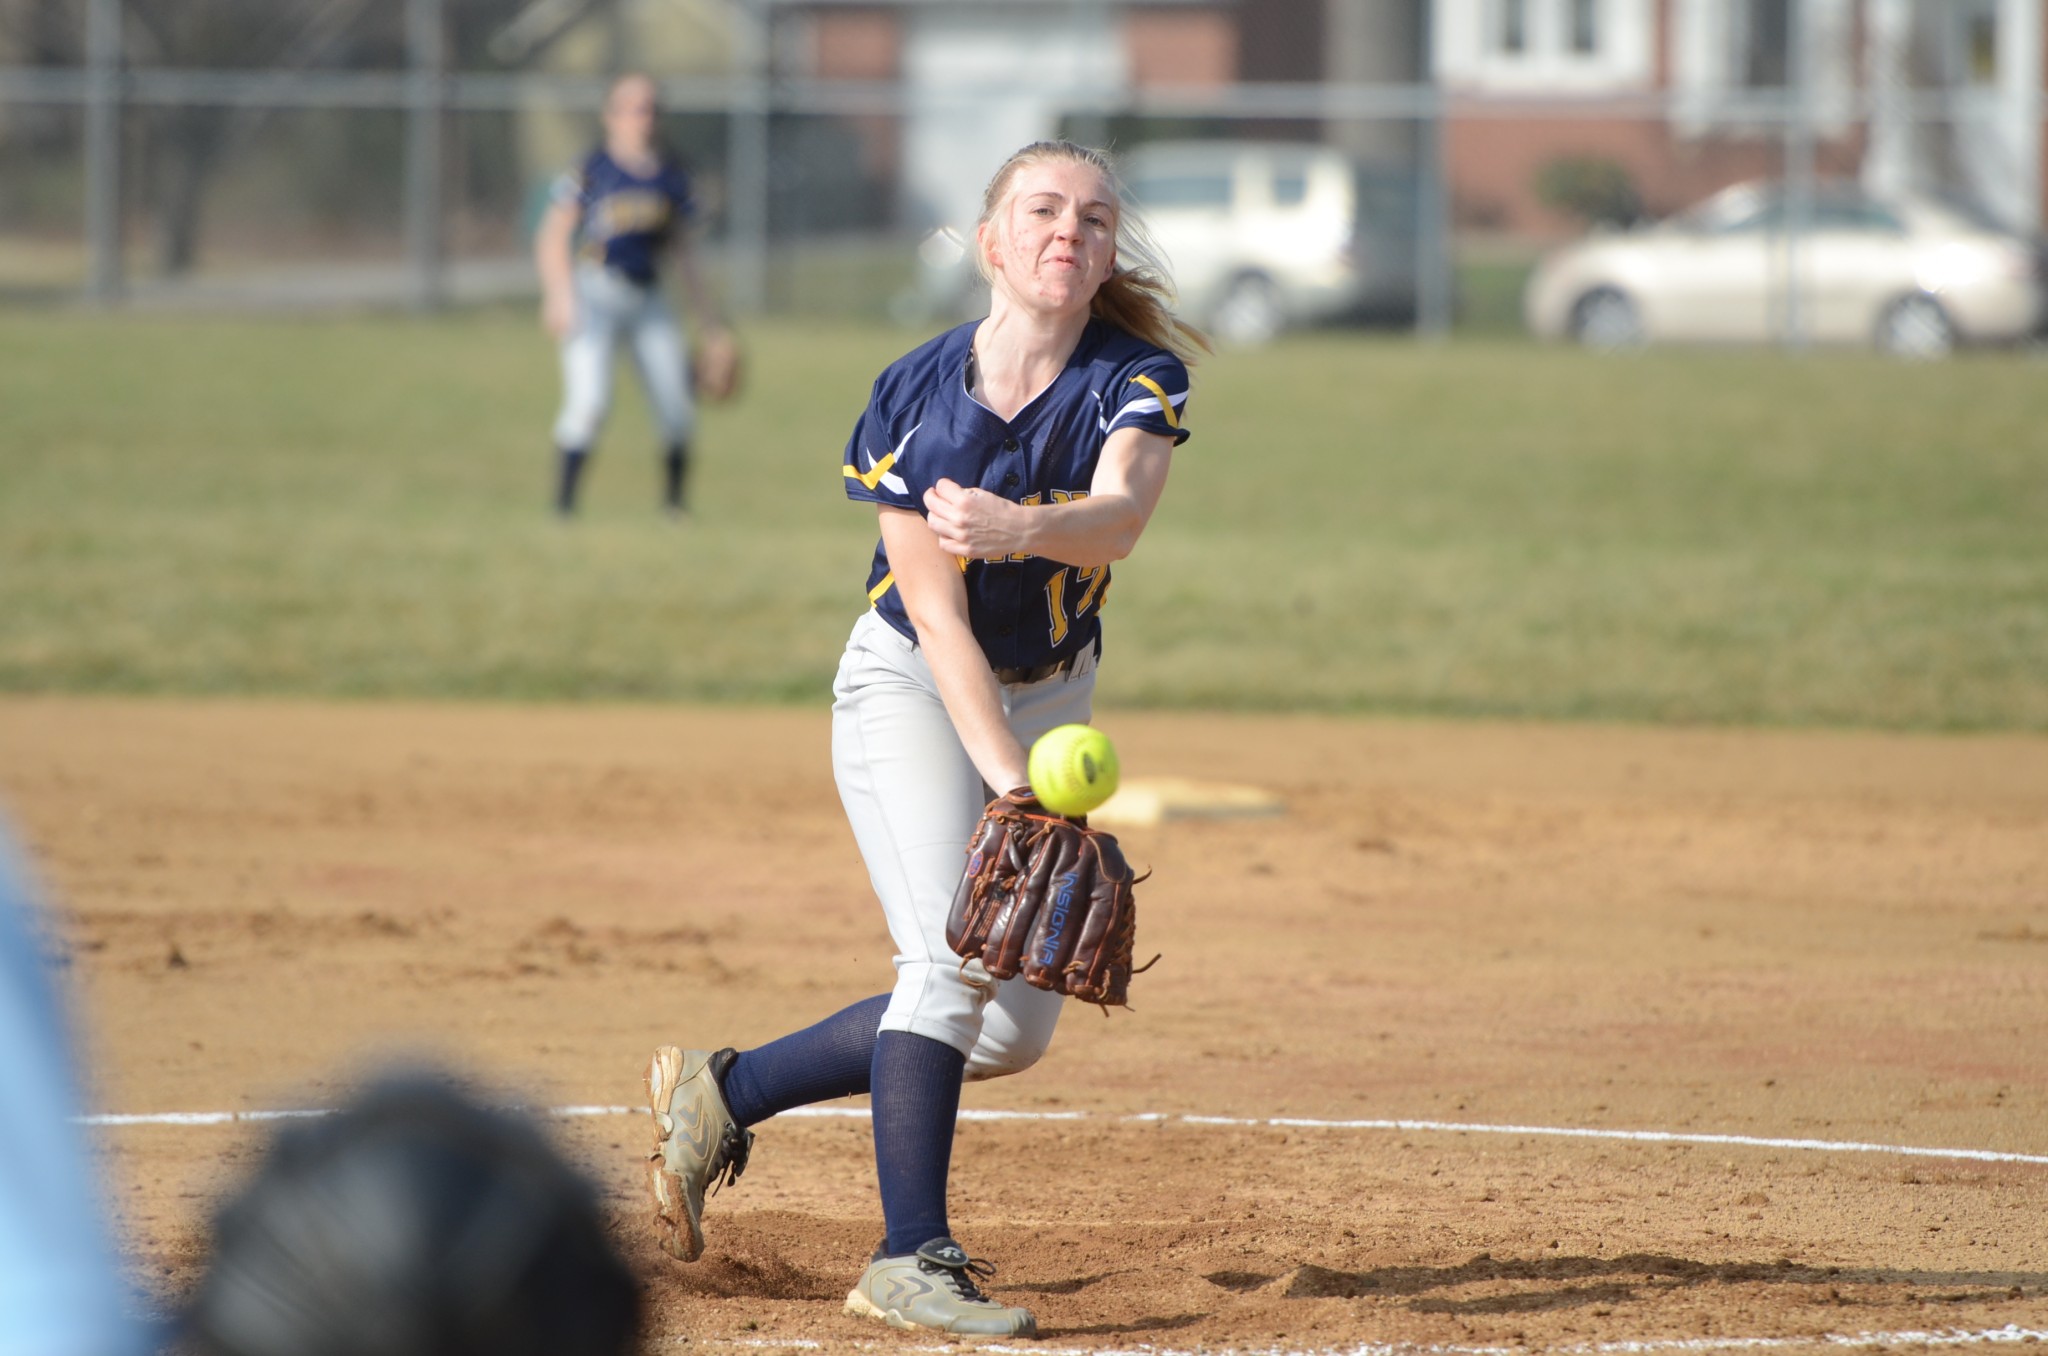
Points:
(610, 307)
(914, 797)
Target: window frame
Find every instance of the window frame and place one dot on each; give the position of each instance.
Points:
(1509, 29)
(1742, 49)
(1583, 27)
(1473, 48)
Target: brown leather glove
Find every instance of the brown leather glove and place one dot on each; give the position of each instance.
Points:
(1048, 898)
(716, 365)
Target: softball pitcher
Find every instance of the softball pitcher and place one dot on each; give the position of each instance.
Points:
(1008, 462)
(599, 251)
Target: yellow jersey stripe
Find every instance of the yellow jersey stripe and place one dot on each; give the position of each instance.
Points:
(874, 474)
(1165, 405)
(888, 582)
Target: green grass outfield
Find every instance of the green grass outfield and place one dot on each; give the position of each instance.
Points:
(357, 508)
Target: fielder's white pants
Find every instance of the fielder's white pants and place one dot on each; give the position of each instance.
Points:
(611, 307)
(913, 797)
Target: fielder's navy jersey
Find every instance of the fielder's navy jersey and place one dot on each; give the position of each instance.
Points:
(628, 218)
(923, 426)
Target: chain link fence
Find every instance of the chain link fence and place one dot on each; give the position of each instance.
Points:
(1407, 169)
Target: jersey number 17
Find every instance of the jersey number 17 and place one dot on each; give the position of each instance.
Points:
(1088, 588)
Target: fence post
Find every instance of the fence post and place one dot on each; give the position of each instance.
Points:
(1433, 281)
(746, 161)
(2020, 60)
(426, 103)
(104, 282)
(1799, 164)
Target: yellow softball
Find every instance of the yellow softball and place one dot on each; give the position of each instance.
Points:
(1073, 769)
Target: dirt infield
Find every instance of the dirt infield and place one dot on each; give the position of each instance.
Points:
(1829, 937)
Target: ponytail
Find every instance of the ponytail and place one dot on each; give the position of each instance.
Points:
(1138, 296)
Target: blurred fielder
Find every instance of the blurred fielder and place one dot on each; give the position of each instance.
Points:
(600, 250)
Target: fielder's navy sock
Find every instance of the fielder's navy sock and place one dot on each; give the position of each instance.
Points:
(816, 1064)
(916, 1090)
(674, 467)
(572, 460)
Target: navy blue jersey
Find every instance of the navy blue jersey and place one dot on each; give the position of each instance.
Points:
(923, 426)
(628, 219)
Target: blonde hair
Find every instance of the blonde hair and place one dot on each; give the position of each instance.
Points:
(1138, 295)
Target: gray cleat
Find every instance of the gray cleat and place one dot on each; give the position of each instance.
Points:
(934, 1288)
(696, 1143)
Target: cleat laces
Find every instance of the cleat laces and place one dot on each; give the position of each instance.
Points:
(731, 1159)
(961, 1278)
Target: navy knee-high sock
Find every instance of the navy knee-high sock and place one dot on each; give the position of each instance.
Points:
(830, 1059)
(675, 466)
(570, 473)
(916, 1090)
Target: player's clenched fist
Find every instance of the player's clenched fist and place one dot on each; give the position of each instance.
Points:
(974, 523)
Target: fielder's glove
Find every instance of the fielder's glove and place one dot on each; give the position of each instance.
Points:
(716, 365)
(1048, 898)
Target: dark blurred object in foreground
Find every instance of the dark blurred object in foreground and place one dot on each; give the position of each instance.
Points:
(414, 1223)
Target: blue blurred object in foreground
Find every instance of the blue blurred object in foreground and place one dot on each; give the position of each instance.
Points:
(60, 1293)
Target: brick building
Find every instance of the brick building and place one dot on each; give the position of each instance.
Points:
(1682, 95)
(1939, 95)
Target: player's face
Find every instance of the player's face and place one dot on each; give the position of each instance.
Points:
(1054, 242)
(629, 116)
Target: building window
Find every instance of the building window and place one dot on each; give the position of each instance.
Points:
(1585, 27)
(1981, 51)
(1512, 33)
(1763, 42)
(1554, 46)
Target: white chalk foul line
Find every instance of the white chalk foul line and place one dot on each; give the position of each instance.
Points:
(197, 1117)
(1654, 1346)
(1243, 1122)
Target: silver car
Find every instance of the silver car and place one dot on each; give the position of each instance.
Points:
(1264, 235)
(1914, 276)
